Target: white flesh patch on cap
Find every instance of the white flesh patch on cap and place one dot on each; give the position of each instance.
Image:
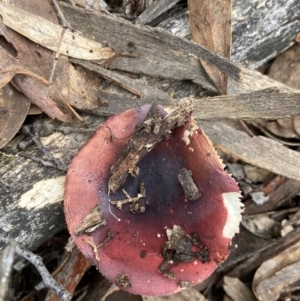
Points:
(189, 133)
(186, 137)
(234, 208)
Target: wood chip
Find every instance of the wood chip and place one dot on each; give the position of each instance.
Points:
(188, 185)
(258, 150)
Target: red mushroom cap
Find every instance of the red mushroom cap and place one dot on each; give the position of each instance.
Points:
(141, 243)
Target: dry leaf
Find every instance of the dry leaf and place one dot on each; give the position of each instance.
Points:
(210, 23)
(13, 111)
(70, 86)
(286, 69)
(9, 67)
(83, 94)
(282, 128)
(34, 110)
(47, 34)
(276, 273)
(237, 290)
(297, 125)
(35, 92)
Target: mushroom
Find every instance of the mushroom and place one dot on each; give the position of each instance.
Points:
(150, 237)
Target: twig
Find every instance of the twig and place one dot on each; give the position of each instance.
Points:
(64, 24)
(37, 261)
(113, 288)
(245, 128)
(27, 130)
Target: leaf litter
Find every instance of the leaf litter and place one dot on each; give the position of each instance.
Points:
(262, 286)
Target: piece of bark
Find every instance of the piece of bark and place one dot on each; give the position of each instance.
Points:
(277, 273)
(259, 32)
(270, 28)
(91, 222)
(161, 53)
(258, 150)
(170, 53)
(191, 191)
(73, 266)
(267, 104)
(210, 24)
(30, 193)
(117, 103)
(270, 251)
(271, 288)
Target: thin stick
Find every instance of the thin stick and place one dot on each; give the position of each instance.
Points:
(37, 261)
(64, 25)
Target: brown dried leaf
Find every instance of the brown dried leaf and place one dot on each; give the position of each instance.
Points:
(286, 69)
(34, 110)
(13, 111)
(276, 273)
(297, 125)
(39, 97)
(282, 128)
(83, 91)
(210, 23)
(47, 34)
(237, 290)
(70, 86)
(9, 67)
